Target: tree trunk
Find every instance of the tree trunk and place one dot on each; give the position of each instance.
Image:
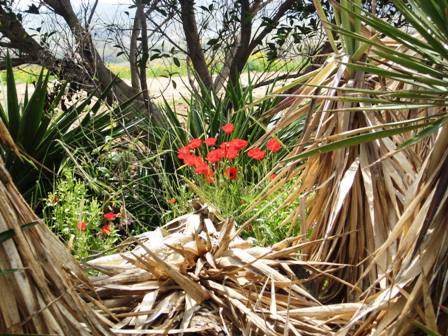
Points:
(136, 29)
(242, 52)
(91, 73)
(194, 46)
(144, 59)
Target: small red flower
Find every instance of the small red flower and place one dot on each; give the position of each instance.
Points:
(273, 145)
(192, 160)
(183, 152)
(228, 128)
(231, 153)
(273, 176)
(172, 200)
(215, 155)
(256, 153)
(195, 143)
(238, 143)
(231, 173)
(110, 216)
(224, 145)
(210, 141)
(81, 226)
(106, 229)
(202, 169)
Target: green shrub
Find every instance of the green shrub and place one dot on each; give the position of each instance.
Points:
(128, 173)
(78, 218)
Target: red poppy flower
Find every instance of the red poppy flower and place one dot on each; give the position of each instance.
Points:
(273, 176)
(192, 160)
(224, 145)
(256, 153)
(183, 152)
(172, 200)
(238, 143)
(215, 155)
(195, 143)
(106, 229)
(228, 128)
(210, 141)
(231, 153)
(81, 226)
(273, 145)
(231, 173)
(110, 216)
(202, 169)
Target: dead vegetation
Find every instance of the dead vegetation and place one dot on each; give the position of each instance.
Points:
(38, 275)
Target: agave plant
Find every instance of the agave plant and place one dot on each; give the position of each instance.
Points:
(39, 126)
(372, 164)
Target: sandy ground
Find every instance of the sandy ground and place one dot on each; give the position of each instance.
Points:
(177, 87)
(174, 89)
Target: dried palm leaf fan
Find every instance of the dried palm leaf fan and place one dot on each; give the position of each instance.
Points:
(351, 204)
(371, 204)
(195, 276)
(38, 276)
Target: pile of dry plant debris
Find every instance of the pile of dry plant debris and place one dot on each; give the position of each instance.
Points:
(196, 276)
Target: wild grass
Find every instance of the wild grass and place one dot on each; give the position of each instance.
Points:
(257, 64)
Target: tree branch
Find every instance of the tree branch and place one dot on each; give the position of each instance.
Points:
(160, 30)
(95, 66)
(144, 58)
(16, 62)
(194, 46)
(136, 29)
(92, 12)
(258, 5)
(242, 52)
(283, 8)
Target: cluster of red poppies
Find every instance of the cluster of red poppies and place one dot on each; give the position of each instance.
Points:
(228, 150)
(105, 229)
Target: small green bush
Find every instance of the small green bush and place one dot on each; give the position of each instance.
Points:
(78, 218)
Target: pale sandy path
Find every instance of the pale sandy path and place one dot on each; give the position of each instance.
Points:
(160, 87)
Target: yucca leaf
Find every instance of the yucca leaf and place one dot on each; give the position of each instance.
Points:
(414, 79)
(402, 58)
(416, 22)
(345, 23)
(9, 270)
(323, 17)
(435, 12)
(13, 108)
(354, 140)
(32, 114)
(3, 115)
(403, 37)
(382, 107)
(427, 131)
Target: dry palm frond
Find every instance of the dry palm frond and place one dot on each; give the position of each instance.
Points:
(38, 276)
(199, 278)
(346, 192)
(369, 203)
